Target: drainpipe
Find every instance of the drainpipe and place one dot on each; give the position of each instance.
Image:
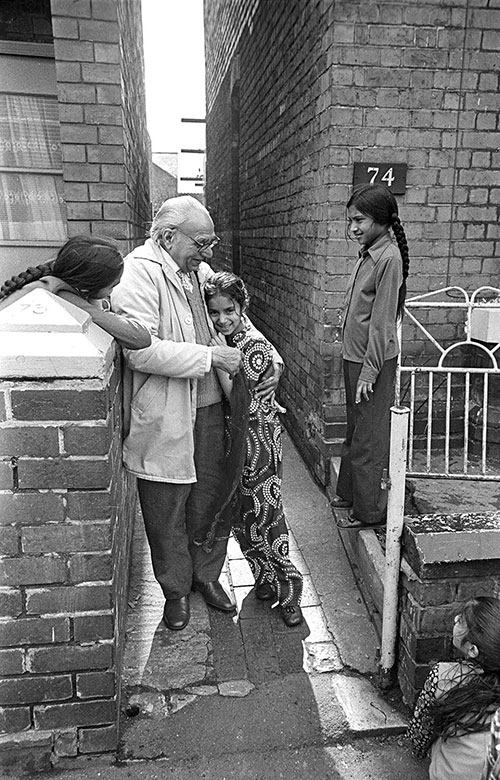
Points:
(395, 515)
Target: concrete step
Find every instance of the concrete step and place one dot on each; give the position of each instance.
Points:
(366, 711)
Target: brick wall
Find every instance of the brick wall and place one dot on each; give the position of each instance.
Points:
(105, 145)
(322, 86)
(137, 142)
(224, 25)
(164, 185)
(66, 511)
(224, 158)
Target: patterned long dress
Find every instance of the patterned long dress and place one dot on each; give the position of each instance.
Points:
(260, 525)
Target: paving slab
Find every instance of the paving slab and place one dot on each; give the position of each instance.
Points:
(318, 539)
(228, 654)
(310, 596)
(155, 657)
(320, 657)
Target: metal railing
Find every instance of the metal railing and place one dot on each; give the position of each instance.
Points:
(453, 433)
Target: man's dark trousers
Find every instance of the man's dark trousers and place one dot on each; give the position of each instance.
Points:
(174, 513)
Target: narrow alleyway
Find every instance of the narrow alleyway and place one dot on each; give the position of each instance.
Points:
(247, 697)
(244, 697)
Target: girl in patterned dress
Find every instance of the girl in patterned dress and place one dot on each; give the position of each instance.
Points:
(260, 524)
(453, 712)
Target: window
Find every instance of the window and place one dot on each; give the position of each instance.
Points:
(31, 198)
(25, 20)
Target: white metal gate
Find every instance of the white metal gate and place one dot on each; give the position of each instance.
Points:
(454, 427)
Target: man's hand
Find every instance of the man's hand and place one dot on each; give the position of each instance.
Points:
(363, 390)
(267, 385)
(227, 358)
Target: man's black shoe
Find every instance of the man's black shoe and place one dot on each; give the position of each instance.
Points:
(176, 613)
(214, 595)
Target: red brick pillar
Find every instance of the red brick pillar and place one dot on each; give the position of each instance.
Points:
(66, 512)
(447, 560)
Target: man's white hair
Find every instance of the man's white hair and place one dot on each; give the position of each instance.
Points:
(173, 213)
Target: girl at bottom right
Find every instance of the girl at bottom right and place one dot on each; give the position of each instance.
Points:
(454, 710)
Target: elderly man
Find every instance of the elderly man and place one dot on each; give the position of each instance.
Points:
(174, 422)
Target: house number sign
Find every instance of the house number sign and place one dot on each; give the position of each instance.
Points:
(393, 175)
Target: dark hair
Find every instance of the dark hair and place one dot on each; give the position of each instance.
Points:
(378, 202)
(86, 263)
(226, 283)
(465, 708)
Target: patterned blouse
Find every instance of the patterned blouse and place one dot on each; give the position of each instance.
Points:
(492, 768)
(458, 757)
(257, 357)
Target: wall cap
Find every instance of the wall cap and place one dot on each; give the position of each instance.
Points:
(455, 538)
(44, 336)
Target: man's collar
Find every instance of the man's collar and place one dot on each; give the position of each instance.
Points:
(168, 259)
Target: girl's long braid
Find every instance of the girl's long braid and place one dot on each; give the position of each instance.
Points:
(400, 236)
(467, 707)
(31, 274)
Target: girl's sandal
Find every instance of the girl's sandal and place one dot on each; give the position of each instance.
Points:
(352, 522)
(265, 591)
(291, 614)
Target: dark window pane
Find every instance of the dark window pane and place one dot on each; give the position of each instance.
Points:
(26, 20)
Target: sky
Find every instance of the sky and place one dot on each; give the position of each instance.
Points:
(174, 62)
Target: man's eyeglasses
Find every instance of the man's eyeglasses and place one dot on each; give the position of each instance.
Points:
(202, 246)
